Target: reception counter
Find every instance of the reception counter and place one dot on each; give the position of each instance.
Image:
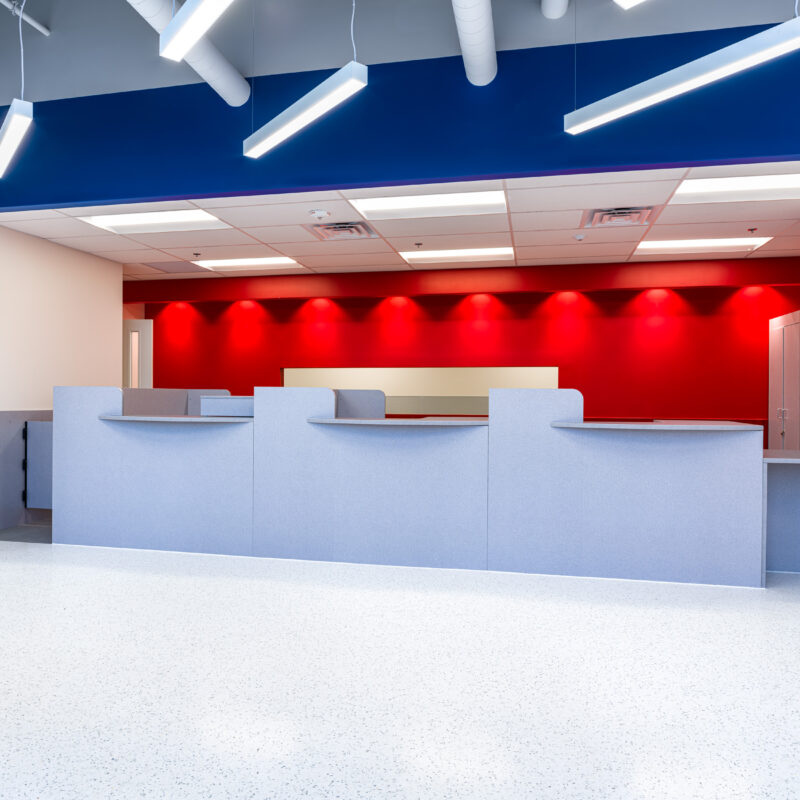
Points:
(315, 474)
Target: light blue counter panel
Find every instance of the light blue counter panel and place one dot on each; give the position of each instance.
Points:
(194, 399)
(672, 505)
(162, 486)
(410, 496)
(783, 511)
(236, 406)
(360, 403)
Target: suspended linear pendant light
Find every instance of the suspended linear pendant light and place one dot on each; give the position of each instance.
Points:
(189, 25)
(20, 113)
(332, 92)
(759, 49)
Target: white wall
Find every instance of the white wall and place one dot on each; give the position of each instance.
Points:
(60, 320)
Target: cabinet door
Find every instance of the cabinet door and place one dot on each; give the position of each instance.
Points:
(775, 416)
(791, 386)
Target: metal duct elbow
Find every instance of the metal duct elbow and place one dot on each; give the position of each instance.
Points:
(203, 58)
(476, 37)
(554, 9)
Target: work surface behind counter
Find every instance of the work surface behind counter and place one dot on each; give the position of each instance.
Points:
(513, 494)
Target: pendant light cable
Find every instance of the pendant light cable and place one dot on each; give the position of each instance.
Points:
(352, 30)
(20, 9)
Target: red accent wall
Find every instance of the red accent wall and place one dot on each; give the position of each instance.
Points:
(665, 351)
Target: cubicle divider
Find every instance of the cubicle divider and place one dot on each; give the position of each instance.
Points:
(320, 475)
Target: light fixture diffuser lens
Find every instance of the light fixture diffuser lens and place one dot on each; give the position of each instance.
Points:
(468, 254)
(703, 245)
(330, 93)
(738, 189)
(246, 263)
(189, 25)
(157, 221)
(626, 4)
(431, 205)
(765, 46)
(15, 125)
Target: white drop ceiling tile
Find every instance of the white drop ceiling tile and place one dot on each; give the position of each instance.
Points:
(277, 234)
(761, 253)
(172, 276)
(100, 244)
(212, 203)
(360, 259)
(712, 230)
(621, 233)
(126, 277)
(442, 226)
(287, 214)
(373, 268)
(742, 170)
(593, 178)
(134, 256)
(333, 248)
(126, 208)
(55, 228)
(792, 229)
(546, 220)
(607, 195)
(782, 243)
(22, 216)
(545, 262)
(255, 250)
(452, 242)
(139, 269)
(426, 188)
(577, 250)
(752, 211)
(193, 239)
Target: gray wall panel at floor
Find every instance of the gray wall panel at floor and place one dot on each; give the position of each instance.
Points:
(12, 452)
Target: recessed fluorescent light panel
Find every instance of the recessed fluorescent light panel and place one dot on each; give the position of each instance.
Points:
(330, 93)
(733, 190)
(626, 4)
(15, 126)
(703, 245)
(471, 254)
(157, 221)
(765, 46)
(222, 264)
(189, 25)
(431, 205)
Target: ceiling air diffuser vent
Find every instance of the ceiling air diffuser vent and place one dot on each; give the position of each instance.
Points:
(341, 231)
(612, 217)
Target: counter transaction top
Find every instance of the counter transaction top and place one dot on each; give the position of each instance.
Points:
(179, 419)
(419, 422)
(710, 426)
(782, 456)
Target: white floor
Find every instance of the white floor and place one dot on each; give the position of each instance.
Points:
(130, 674)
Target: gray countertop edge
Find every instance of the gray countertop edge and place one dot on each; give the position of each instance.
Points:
(423, 422)
(734, 427)
(180, 420)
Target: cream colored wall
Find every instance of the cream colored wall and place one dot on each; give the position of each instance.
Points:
(60, 320)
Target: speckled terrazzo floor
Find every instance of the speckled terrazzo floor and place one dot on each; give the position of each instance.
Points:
(131, 674)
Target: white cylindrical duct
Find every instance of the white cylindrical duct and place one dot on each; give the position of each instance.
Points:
(203, 58)
(554, 9)
(15, 9)
(476, 36)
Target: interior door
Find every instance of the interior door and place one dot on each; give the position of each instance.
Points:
(775, 419)
(137, 354)
(791, 386)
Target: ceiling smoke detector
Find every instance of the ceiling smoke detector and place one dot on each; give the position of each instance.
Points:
(342, 231)
(614, 217)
